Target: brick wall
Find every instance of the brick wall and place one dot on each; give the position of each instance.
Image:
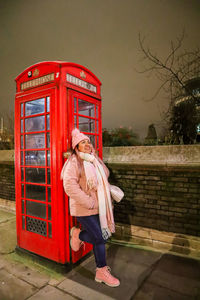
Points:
(161, 185)
(158, 197)
(7, 181)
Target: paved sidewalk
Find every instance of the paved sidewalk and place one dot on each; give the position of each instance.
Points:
(144, 275)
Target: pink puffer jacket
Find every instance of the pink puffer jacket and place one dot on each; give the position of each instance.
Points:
(83, 202)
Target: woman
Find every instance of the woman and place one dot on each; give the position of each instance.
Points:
(85, 182)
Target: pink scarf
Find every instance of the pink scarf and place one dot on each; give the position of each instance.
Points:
(96, 178)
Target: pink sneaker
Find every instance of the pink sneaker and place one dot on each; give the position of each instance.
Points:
(103, 275)
(75, 242)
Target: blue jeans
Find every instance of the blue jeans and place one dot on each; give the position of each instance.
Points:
(91, 233)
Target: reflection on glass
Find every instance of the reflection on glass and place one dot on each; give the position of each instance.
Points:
(75, 105)
(35, 175)
(86, 125)
(50, 230)
(22, 158)
(86, 108)
(35, 141)
(35, 158)
(48, 158)
(34, 124)
(36, 192)
(49, 194)
(36, 209)
(34, 107)
(48, 176)
(22, 206)
(22, 174)
(23, 222)
(22, 127)
(48, 140)
(22, 189)
(49, 212)
(48, 122)
(48, 104)
(22, 142)
(22, 108)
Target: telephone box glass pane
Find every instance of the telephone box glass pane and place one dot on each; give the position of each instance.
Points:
(85, 108)
(75, 103)
(35, 158)
(86, 125)
(22, 158)
(35, 175)
(48, 104)
(75, 125)
(22, 174)
(97, 124)
(35, 124)
(49, 212)
(36, 209)
(48, 176)
(22, 108)
(92, 139)
(35, 141)
(22, 188)
(22, 206)
(34, 107)
(22, 127)
(22, 142)
(48, 122)
(50, 230)
(49, 194)
(48, 140)
(97, 112)
(97, 141)
(36, 192)
(48, 158)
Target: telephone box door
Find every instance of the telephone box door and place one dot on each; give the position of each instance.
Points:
(35, 199)
(85, 112)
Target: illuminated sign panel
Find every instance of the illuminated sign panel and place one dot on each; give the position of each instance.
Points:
(37, 81)
(81, 83)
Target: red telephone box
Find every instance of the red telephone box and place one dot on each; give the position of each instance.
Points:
(52, 98)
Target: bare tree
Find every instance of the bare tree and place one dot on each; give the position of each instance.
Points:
(174, 72)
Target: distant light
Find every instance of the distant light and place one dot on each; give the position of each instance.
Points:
(198, 128)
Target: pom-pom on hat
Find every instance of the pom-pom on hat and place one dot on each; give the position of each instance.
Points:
(77, 137)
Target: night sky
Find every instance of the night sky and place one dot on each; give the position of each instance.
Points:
(102, 35)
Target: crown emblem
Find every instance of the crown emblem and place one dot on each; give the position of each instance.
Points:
(36, 72)
(82, 74)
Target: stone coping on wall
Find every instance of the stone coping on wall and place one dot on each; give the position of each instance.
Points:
(7, 156)
(160, 240)
(8, 204)
(172, 155)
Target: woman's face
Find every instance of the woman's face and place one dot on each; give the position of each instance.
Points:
(85, 146)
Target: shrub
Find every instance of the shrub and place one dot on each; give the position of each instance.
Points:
(121, 136)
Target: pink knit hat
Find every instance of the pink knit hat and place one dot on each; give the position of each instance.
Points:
(77, 137)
